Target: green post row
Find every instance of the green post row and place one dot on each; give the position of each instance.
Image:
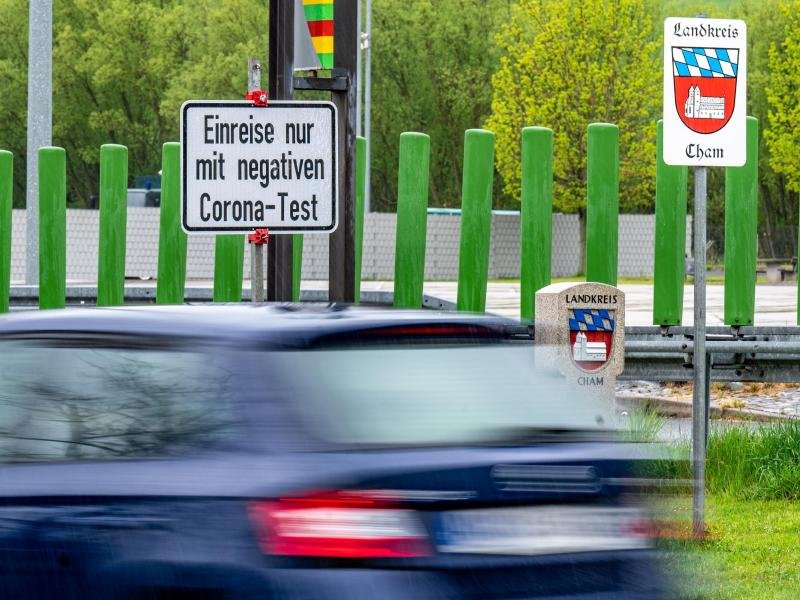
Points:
(536, 216)
(476, 220)
(412, 219)
(670, 242)
(228, 267)
(6, 199)
(361, 180)
(171, 239)
(297, 265)
(113, 220)
(602, 203)
(52, 227)
(741, 234)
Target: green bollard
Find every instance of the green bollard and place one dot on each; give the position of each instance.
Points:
(361, 181)
(602, 203)
(6, 198)
(412, 218)
(52, 227)
(172, 239)
(741, 234)
(113, 220)
(297, 265)
(228, 267)
(670, 242)
(476, 220)
(536, 216)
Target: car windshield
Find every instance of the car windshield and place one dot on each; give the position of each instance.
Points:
(434, 395)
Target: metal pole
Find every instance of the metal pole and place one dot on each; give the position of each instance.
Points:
(368, 106)
(280, 258)
(40, 120)
(359, 86)
(341, 243)
(700, 390)
(256, 250)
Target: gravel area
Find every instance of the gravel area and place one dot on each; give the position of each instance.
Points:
(774, 400)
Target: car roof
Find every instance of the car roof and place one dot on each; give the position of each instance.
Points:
(264, 322)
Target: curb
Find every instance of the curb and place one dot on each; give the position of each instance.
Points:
(668, 407)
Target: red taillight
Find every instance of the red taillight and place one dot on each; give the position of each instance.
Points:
(338, 525)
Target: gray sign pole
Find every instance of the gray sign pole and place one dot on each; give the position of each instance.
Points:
(40, 121)
(256, 250)
(700, 391)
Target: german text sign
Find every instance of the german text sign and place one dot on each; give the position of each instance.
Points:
(705, 92)
(245, 167)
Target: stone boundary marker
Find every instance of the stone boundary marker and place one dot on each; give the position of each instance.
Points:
(580, 332)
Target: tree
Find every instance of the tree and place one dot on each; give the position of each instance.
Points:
(121, 70)
(432, 63)
(766, 22)
(782, 134)
(567, 64)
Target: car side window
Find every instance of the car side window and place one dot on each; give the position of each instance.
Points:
(89, 400)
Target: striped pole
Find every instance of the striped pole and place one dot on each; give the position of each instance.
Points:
(319, 19)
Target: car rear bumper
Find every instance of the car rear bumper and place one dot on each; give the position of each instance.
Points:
(609, 576)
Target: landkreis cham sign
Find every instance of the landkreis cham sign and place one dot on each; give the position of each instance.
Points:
(705, 101)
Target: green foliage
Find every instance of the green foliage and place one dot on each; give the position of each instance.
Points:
(121, 70)
(567, 64)
(748, 461)
(782, 95)
(432, 63)
(644, 425)
(14, 87)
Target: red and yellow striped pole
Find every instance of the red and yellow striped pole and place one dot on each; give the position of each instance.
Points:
(319, 18)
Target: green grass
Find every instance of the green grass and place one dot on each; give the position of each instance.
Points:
(752, 514)
(748, 463)
(752, 552)
(644, 424)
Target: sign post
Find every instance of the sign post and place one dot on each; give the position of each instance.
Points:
(247, 167)
(705, 106)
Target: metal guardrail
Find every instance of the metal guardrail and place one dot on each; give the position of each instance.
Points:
(755, 354)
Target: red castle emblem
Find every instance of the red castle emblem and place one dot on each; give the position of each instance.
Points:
(705, 86)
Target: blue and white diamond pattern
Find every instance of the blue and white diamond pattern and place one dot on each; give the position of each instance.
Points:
(586, 319)
(705, 62)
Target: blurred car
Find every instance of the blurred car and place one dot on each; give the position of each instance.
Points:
(308, 452)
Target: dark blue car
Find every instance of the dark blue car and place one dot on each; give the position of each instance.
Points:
(304, 452)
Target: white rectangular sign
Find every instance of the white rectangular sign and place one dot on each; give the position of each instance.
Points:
(245, 167)
(705, 92)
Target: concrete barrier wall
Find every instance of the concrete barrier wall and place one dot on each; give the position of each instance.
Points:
(636, 247)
